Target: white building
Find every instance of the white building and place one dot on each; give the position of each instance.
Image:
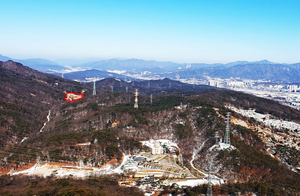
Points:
(157, 148)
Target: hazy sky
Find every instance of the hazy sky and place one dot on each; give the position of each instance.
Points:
(188, 31)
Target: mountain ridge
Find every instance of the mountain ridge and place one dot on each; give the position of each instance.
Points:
(255, 70)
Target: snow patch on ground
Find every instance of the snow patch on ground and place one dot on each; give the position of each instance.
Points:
(197, 182)
(48, 169)
(193, 158)
(48, 120)
(56, 170)
(117, 71)
(25, 138)
(222, 146)
(267, 119)
(118, 169)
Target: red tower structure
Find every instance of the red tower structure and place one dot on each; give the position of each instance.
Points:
(136, 105)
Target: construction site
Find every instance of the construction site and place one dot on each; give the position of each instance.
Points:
(166, 163)
(162, 166)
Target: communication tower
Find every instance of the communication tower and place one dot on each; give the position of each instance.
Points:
(94, 89)
(227, 133)
(136, 105)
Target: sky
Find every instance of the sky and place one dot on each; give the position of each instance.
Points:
(187, 31)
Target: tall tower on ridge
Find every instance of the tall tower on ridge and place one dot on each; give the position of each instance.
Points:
(136, 105)
(209, 183)
(193, 82)
(94, 89)
(217, 137)
(227, 133)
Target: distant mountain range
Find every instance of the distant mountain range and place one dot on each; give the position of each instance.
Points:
(150, 87)
(257, 70)
(4, 58)
(39, 64)
(93, 73)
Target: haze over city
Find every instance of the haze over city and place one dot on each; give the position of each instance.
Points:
(177, 31)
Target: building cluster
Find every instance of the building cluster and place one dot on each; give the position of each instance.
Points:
(286, 94)
(160, 147)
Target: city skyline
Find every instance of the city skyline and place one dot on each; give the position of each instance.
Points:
(176, 31)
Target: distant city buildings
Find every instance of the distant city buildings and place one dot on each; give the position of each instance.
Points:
(286, 94)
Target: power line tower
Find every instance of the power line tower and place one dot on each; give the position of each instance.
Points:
(151, 97)
(217, 137)
(94, 89)
(193, 82)
(209, 184)
(227, 132)
(136, 105)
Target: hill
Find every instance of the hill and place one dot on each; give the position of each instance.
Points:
(139, 68)
(93, 73)
(162, 86)
(4, 58)
(42, 65)
(26, 98)
(98, 132)
(130, 64)
(273, 72)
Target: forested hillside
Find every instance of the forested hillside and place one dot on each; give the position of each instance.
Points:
(101, 129)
